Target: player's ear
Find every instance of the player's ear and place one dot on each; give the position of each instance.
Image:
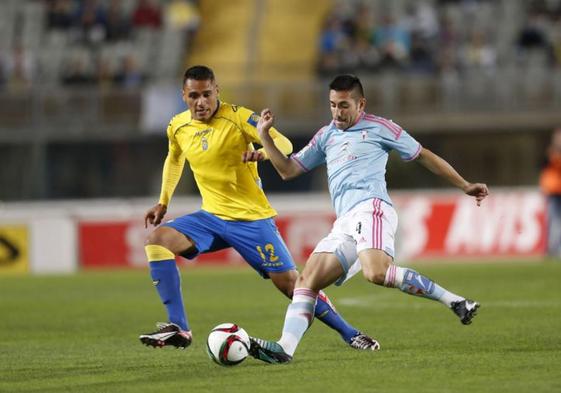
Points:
(361, 103)
(217, 90)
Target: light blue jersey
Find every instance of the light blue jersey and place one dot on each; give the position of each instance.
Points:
(356, 158)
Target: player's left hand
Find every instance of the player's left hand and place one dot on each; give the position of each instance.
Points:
(477, 190)
(253, 155)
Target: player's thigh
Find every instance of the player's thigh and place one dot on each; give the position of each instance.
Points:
(343, 247)
(321, 270)
(202, 230)
(261, 245)
(374, 263)
(170, 238)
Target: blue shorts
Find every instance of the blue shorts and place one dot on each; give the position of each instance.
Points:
(258, 242)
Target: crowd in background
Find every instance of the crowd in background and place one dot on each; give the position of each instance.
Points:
(427, 37)
(100, 37)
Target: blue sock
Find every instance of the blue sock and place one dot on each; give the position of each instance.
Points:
(327, 314)
(165, 277)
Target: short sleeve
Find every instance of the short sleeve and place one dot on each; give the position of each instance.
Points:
(248, 123)
(396, 138)
(313, 154)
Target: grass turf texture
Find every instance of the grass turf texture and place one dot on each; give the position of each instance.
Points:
(80, 334)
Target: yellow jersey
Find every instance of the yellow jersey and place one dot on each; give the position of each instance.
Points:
(230, 188)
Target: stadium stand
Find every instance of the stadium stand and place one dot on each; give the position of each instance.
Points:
(99, 78)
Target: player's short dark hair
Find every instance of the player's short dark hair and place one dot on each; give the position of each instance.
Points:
(347, 82)
(198, 73)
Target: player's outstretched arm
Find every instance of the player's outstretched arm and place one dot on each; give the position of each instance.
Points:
(442, 168)
(286, 167)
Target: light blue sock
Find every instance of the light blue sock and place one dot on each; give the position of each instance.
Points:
(299, 317)
(326, 313)
(165, 277)
(414, 283)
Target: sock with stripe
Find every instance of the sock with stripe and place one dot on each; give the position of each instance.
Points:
(413, 283)
(166, 279)
(299, 317)
(325, 312)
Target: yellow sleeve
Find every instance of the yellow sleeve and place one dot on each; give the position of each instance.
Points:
(173, 167)
(249, 119)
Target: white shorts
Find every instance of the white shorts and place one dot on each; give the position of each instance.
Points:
(370, 224)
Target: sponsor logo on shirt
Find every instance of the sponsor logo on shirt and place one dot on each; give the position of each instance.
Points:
(203, 132)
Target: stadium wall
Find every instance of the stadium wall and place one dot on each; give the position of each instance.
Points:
(65, 237)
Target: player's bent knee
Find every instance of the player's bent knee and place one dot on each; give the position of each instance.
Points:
(171, 239)
(163, 236)
(307, 281)
(375, 277)
(376, 274)
(285, 281)
(375, 264)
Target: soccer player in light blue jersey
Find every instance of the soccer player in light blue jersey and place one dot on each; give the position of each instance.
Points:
(355, 147)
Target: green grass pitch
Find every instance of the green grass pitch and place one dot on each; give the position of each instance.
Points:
(80, 334)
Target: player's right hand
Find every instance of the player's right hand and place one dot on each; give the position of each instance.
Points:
(155, 215)
(265, 123)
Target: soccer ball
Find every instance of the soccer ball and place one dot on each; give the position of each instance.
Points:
(228, 344)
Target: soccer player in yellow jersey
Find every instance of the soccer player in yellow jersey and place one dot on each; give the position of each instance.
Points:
(216, 139)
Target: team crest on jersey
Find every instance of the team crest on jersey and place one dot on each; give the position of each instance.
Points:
(204, 143)
(253, 119)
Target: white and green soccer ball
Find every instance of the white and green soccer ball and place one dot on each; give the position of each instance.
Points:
(228, 344)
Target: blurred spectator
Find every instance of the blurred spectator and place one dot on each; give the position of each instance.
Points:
(117, 22)
(147, 14)
(77, 72)
(550, 182)
(532, 35)
(18, 68)
(183, 15)
(421, 57)
(129, 76)
(477, 53)
(393, 43)
(104, 73)
(421, 19)
(92, 21)
(60, 14)
(332, 37)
